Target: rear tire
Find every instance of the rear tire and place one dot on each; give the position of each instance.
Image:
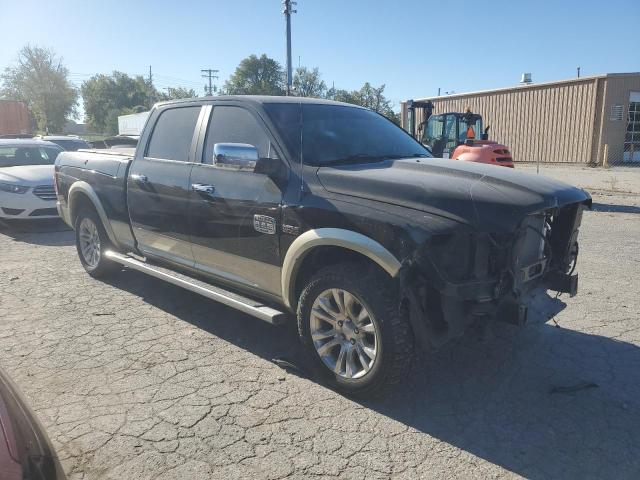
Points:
(91, 243)
(353, 330)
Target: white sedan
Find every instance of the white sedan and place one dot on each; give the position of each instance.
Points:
(26, 179)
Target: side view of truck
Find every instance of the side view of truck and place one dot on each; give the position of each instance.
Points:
(325, 212)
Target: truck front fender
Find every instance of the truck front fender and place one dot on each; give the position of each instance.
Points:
(336, 237)
(76, 191)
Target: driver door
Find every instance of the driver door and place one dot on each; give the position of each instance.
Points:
(234, 214)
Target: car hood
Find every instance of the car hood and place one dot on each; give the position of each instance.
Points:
(28, 175)
(490, 198)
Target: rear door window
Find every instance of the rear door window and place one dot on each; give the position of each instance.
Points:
(173, 133)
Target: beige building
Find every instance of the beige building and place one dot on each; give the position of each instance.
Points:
(570, 121)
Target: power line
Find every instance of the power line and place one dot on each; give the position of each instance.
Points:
(77, 77)
(162, 79)
(210, 74)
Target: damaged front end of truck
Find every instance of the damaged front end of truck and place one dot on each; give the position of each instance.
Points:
(456, 278)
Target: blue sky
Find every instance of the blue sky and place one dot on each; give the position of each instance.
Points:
(412, 46)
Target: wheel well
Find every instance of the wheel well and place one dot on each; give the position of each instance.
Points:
(80, 201)
(323, 256)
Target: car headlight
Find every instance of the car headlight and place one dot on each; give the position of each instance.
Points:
(12, 188)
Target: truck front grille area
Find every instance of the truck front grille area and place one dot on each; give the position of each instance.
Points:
(45, 192)
(548, 244)
(545, 243)
(457, 278)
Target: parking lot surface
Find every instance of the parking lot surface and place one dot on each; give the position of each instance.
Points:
(134, 378)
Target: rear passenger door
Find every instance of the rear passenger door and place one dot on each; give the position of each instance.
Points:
(158, 186)
(234, 226)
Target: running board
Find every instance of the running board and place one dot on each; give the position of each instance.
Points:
(233, 300)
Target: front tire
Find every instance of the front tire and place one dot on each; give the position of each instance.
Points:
(91, 243)
(353, 330)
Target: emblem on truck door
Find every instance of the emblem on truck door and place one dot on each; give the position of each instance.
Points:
(264, 224)
(290, 229)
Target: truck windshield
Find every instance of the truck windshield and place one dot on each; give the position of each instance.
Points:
(335, 134)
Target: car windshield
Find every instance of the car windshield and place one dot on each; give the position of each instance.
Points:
(336, 134)
(27, 155)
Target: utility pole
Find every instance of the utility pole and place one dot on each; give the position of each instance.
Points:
(210, 74)
(150, 76)
(438, 91)
(287, 15)
(578, 72)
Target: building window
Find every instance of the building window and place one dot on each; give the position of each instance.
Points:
(616, 113)
(632, 137)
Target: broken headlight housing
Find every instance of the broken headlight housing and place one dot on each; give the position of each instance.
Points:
(466, 256)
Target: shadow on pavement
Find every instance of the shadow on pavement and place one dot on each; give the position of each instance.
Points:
(614, 208)
(52, 232)
(497, 399)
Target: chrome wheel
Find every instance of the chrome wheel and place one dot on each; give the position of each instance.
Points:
(89, 242)
(344, 333)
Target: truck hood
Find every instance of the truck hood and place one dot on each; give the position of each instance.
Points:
(27, 175)
(487, 197)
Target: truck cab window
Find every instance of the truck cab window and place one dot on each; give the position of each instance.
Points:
(172, 134)
(236, 125)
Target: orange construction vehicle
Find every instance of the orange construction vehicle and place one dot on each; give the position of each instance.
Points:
(455, 135)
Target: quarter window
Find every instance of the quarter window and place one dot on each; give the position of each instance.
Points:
(173, 133)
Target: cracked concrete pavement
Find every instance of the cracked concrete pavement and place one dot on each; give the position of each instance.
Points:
(135, 378)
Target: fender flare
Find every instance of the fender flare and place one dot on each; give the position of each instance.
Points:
(86, 189)
(336, 237)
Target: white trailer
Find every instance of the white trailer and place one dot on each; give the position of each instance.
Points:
(132, 124)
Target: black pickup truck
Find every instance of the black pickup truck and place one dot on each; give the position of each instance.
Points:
(279, 205)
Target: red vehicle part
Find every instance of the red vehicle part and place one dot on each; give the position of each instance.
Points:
(484, 151)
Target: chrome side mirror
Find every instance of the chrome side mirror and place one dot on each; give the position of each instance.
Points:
(235, 156)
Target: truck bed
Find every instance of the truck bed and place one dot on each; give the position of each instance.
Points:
(103, 161)
(99, 173)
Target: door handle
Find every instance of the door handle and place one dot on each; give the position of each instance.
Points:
(139, 178)
(203, 188)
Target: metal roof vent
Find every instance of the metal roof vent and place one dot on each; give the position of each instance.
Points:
(526, 79)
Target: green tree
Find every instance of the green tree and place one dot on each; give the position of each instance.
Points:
(256, 76)
(369, 97)
(340, 95)
(176, 93)
(108, 96)
(374, 99)
(307, 83)
(41, 81)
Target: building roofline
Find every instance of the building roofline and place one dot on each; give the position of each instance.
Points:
(527, 86)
